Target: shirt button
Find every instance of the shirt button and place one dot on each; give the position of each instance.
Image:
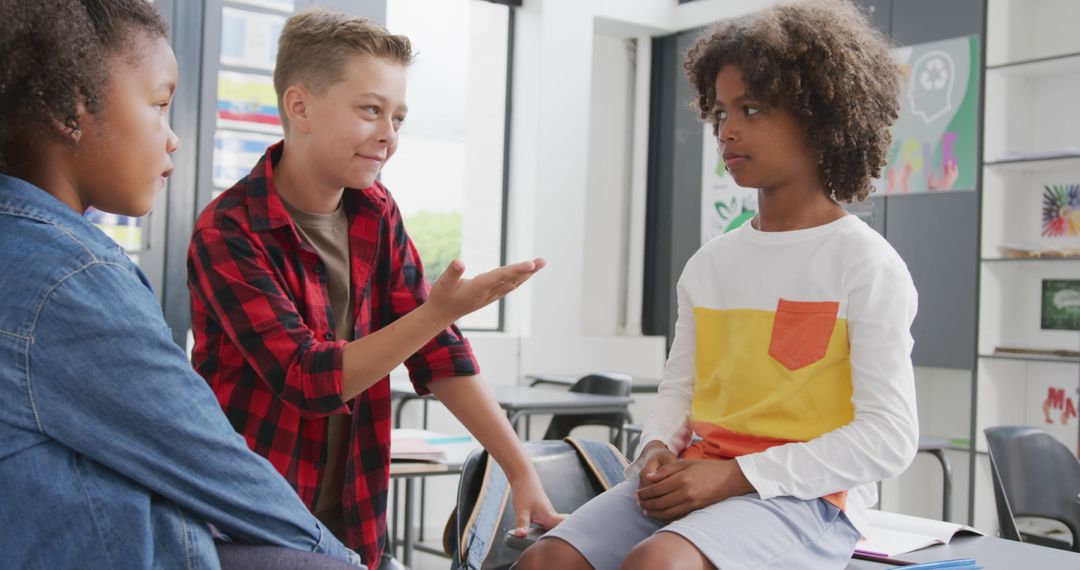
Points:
(329, 336)
(319, 465)
(318, 269)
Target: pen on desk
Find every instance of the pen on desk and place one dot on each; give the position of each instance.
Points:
(880, 557)
(957, 564)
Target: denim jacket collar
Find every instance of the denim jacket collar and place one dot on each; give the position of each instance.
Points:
(21, 198)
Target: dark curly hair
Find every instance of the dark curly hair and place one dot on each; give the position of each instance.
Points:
(57, 55)
(823, 60)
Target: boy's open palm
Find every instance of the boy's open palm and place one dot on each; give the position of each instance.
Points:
(682, 487)
(455, 297)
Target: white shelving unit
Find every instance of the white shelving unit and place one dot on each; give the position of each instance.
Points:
(1031, 129)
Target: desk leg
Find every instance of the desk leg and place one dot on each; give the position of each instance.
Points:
(515, 417)
(423, 482)
(410, 530)
(394, 520)
(512, 417)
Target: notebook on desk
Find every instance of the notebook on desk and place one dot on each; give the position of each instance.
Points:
(891, 534)
(424, 445)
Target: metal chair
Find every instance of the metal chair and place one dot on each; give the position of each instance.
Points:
(607, 384)
(1035, 475)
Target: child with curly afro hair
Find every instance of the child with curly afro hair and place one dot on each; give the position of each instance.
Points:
(789, 389)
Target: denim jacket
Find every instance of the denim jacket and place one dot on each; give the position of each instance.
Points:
(114, 453)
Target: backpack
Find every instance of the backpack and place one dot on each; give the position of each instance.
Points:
(572, 471)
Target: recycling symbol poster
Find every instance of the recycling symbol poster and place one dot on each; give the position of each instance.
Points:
(935, 139)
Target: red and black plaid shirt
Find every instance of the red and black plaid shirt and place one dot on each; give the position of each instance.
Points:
(264, 337)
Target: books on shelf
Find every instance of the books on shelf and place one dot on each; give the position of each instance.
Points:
(892, 534)
(1019, 251)
(424, 445)
(1061, 353)
(1068, 151)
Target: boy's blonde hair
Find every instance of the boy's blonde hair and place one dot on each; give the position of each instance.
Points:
(316, 44)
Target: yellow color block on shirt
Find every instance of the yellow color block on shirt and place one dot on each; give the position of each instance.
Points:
(743, 389)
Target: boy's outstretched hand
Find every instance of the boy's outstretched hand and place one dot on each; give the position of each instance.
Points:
(454, 297)
(681, 487)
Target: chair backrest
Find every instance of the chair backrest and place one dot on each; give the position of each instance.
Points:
(567, 479)
(606, 384)
(1035, 475)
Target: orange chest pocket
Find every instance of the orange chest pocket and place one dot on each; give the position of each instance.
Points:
(801, 332)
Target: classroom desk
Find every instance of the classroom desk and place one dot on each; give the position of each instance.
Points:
(520, 402)
(640, 384)
(989, 552)
(411, 471)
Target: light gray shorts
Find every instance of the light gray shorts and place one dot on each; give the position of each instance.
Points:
(741, 532)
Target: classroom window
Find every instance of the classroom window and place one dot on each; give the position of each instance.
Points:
(448, 173)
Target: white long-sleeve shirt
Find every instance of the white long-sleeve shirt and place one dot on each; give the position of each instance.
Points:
(792, 353)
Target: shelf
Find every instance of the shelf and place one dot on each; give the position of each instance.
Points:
(1028, 259)
(285, 9)
(1065, 160)
(1033, 358)
(1039, 67)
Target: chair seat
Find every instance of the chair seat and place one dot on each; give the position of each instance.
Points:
(928, 442)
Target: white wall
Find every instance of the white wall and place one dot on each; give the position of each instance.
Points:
(560, 328)
(607, 195)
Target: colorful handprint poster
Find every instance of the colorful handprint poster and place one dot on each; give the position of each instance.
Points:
(935, 139)
(724, 204)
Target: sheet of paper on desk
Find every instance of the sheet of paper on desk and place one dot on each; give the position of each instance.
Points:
(891, 534)
(424, 445)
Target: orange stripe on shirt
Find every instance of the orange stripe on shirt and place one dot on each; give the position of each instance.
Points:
(719, 443)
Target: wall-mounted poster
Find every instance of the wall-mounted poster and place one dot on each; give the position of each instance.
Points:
(247, 101)
(235, 154)
(286, 6)
(724, 204)
(1061, 210)
(124, 230)
(1052, 402)
(249, 39)
(934, 146)
(1061, 304)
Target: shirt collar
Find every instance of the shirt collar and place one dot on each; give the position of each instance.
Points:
(265, 208)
